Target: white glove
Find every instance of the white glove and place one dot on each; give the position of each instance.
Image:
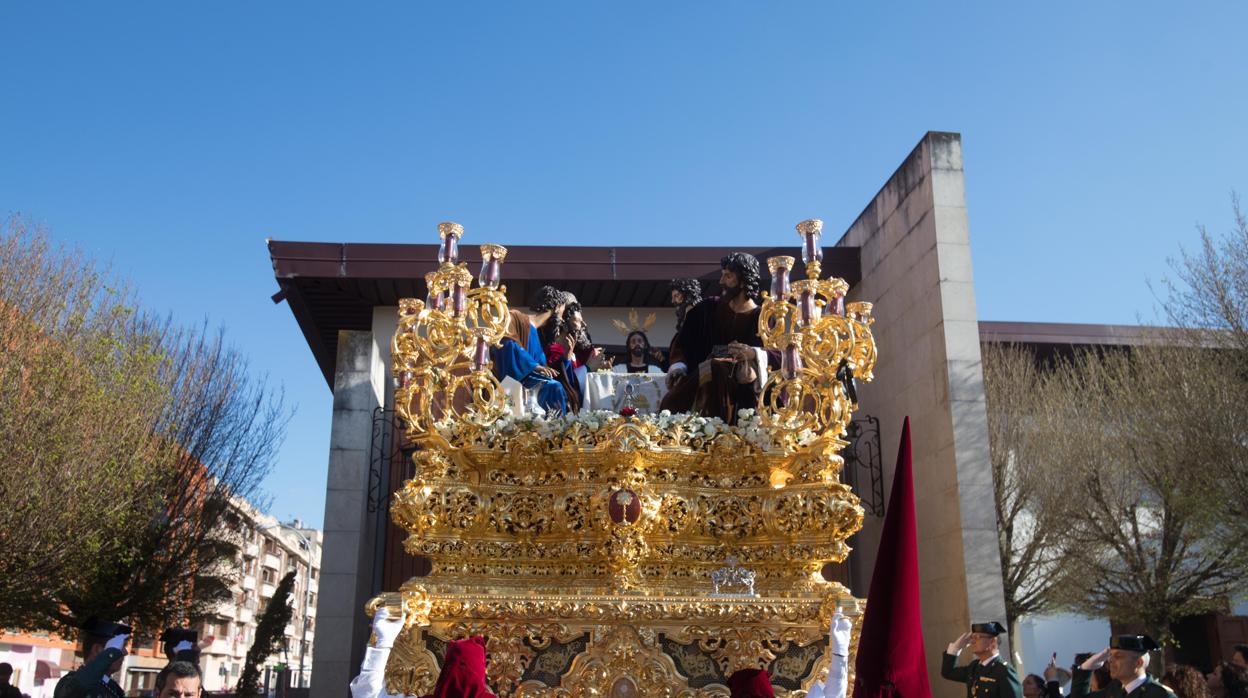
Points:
(955, 648)
(386, 629)
(183, 646)
(117, 642)
(1096, 661)
(816, 691)
(840, 634)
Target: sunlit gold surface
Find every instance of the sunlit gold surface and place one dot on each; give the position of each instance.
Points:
(527, 547)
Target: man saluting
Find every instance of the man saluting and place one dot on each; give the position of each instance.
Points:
(987, 676)
(1128, 667)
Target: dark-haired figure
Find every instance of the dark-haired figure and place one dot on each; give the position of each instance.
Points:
(179, 679)
(572, 355)
(715, 369)
(1228, 680)
(522, 356)
(1239, 656)
(684, 294)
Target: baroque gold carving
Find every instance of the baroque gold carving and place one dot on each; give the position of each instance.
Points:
(608, 527)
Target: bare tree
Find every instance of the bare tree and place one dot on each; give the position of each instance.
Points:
(1209, 290)
(219, 431)
(1152, 433)
(1028, 483)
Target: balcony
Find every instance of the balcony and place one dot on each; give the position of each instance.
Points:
(313, 586)
(290, 630)
(227, 609)
(251, 550)
(272, 562)
(249, 583)
(245, 615)
(267, 590)
(220, 645)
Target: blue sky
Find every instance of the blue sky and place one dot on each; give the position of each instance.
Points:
(173, 138)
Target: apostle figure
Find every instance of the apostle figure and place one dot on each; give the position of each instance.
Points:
(685, 293)
(717, 363)
(521, 355)
(571, 355)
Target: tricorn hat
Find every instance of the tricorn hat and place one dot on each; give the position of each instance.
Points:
(992, 628)
(1133, 643)
(105, 628)
(173, 636)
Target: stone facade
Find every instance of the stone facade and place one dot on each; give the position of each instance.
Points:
(916, 268)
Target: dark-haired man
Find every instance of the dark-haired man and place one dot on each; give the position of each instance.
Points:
(1239, 656)
(178, 680)
(716, 367)
(103, 647)
(987, 676)
(684, 294)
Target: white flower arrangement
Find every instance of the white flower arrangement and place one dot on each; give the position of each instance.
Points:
(684, 426)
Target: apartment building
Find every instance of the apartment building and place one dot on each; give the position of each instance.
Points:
(268, 550)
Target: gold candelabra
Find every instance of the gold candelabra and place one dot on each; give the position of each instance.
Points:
(441, 346)
(824, 346)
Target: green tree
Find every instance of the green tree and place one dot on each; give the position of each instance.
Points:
(128, 439)
(270, 634)
(79, 390)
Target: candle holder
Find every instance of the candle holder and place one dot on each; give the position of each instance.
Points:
(815, 333)
(441, 346)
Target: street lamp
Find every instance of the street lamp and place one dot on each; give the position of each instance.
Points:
(307, 592)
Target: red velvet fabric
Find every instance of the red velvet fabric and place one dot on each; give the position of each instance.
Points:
(891, 662)
(751, 683)
(463, 671)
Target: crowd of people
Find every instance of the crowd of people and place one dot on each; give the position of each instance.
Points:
(103, 647)
(1118, 671)
(714, 366)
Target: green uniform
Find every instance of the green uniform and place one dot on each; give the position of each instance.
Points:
(1081, 681)
(88, 681)
(996, 679)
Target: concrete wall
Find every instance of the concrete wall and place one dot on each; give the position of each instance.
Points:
(916, 268)
(346, 562)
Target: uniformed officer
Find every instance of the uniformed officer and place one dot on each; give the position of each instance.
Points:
(103, 647)
(987, 676)
(1127, 656)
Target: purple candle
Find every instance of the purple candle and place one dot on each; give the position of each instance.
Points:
(481, 357)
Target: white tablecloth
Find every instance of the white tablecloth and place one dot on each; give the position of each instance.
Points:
(605, 390)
